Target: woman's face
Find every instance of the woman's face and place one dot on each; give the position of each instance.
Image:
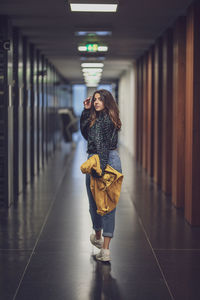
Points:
(98, 103)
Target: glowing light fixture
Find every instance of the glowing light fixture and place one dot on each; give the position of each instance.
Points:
(92, 48)
(92, 65)
(92, 70)
(93, 33)
(103, 48)
(87, 7)
(82, 48)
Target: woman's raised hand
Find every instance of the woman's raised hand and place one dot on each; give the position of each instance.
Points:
(87, 103)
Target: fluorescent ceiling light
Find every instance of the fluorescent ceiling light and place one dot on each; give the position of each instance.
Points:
(92, 59)
(82, 48)
(92, 65)
(92, 74)
(92, 79)
(92, 70)
(93, 33)
(92, 85)
(92, 82)
(102, 48)
(87, 7)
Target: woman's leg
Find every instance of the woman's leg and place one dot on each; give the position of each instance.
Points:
(96, 219)
(108, 220)
(98, 234)
(106, 242)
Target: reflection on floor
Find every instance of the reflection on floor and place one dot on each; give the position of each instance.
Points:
(45, 251)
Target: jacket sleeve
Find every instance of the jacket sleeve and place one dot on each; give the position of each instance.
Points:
(85, 122)
(103, 139)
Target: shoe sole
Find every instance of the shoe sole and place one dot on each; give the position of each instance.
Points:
(104, 260)
(99, 247)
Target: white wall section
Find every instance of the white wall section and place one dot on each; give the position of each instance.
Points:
(127, 107)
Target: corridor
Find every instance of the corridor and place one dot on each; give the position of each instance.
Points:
(57, 57)
(45, 251)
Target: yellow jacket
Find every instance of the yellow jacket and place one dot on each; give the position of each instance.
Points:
(106, 189)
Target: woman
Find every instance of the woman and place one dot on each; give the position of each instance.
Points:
(100, 124)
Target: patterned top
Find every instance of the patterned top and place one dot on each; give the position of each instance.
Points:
(101, 137)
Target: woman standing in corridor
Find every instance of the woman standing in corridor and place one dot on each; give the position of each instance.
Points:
(100, 124)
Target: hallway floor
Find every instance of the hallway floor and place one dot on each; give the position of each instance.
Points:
(45, 253)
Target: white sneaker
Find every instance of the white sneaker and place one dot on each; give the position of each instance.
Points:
(103, 255)
(95, 242)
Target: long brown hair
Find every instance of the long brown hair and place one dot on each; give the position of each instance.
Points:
(110, 105)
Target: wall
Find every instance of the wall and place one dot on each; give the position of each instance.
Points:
(31, 92)
(127, 98)
(168, 93)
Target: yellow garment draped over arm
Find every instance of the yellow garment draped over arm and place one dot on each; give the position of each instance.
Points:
(106, 189)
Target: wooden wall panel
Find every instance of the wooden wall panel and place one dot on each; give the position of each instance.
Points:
(178, 152)
(157, 124)
(150, 110)
(141, 112)
(137, 128)
(167, 113)
(144, 115)
(192, 162)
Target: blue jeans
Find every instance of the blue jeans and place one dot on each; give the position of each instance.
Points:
(106, 222)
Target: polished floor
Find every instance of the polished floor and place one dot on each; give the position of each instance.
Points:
(45, 253)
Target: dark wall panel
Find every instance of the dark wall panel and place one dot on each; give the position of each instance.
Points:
(15, 99)
(144, 114)
(43, 110)
(137, 127)
(6, 113)
(38, 110)
(179, 83)
(28, 110)
(167, 112)
(32, 107)
(20, 114)
(192, 134)
(157, 124)
(140, 121)
(150, 111)
(25, 111)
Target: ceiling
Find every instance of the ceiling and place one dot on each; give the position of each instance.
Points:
(51, 26)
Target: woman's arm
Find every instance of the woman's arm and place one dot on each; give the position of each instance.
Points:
(85, 122)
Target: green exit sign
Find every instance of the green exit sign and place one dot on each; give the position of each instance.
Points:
(92, 47)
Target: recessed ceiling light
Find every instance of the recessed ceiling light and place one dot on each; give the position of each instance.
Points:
(92, 70)
(91, 58)
(102, 48)
(82, 48)
(93, 33)
(91, 85)
(92, 77)
(92, 65)
(87, 7)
